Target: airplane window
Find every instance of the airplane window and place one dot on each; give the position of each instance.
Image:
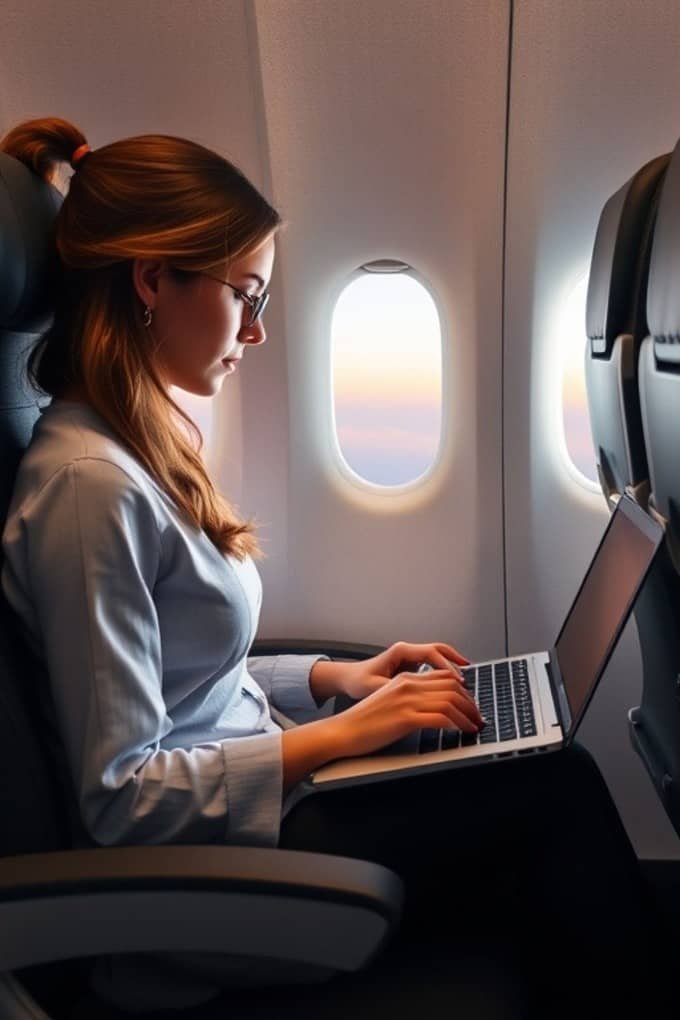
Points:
(386, 371)
(575, 417)
(200, 410)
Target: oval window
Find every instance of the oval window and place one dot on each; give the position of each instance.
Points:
(386, 375)
(575, 415)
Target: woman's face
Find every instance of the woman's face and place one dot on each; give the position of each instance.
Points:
(199, 324)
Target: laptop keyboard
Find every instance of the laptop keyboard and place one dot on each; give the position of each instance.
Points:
(502, 692)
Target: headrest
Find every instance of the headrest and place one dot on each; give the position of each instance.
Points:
(663, 296)
(620, 258)
(28, 207)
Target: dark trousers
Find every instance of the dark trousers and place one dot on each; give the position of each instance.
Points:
(529, 851)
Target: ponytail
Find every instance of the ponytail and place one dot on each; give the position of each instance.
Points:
(42, 145)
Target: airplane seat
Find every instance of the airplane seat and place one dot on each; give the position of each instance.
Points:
(56, 899)
(655, 723)
(30, 772)
(620, 293)
(64, 904)
(616, 325)
(23, 313)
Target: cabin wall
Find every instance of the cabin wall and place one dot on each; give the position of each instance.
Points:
(386, 139)
(376, 135)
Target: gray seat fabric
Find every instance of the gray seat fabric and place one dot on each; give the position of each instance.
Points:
(30, 793)
(616, 325)
(34, 801)
(631, 295)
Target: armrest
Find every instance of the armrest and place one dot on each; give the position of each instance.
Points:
(289, 905)
(333, 649)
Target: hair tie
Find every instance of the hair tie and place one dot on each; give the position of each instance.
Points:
(78, 154)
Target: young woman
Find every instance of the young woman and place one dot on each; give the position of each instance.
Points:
(136, 583)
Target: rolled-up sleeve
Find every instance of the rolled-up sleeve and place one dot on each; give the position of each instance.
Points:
(254, 782)
(84, 555)
(285, 682)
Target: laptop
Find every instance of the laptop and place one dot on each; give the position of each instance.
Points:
(535, 702)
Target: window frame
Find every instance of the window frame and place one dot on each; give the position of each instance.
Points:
(423, 481)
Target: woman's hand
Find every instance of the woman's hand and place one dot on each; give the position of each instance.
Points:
(404, 703)
(397, 706)
(359, 679)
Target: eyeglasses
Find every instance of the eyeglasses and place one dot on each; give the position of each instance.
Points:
(257, 304)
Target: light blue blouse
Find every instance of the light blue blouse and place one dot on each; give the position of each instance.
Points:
(171, 733)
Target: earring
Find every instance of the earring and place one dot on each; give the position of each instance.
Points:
(148, 315)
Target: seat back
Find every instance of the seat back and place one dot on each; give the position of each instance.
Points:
(616, 325)
(36, 809)
(633, 312)
(655, 723)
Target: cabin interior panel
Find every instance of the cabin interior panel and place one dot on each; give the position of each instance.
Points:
(398, 157)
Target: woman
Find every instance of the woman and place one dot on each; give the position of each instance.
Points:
(136, 580)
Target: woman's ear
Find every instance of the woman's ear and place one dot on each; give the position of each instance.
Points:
(145, 276)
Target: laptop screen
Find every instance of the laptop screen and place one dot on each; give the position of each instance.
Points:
(604, 601)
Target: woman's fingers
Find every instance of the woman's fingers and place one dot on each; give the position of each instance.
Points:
(470, 711)
(442, 720)
(458, 718)
(432, 686)
(441, 679)
(439, 655)
(452, 654)
(441, 662)
(443, 655)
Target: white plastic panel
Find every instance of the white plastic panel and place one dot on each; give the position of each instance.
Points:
(594, 95)
(397, 157)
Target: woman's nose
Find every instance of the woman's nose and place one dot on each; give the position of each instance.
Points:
(253, 334)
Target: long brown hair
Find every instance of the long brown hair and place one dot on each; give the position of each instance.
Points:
(152, 196)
